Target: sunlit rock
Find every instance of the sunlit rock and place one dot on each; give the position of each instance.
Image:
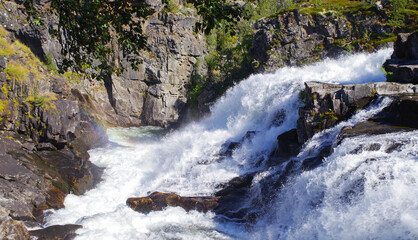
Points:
(157, 201)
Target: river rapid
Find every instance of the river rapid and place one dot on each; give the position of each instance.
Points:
(352, 195)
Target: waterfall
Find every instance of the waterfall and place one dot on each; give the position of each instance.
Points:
(342, 198)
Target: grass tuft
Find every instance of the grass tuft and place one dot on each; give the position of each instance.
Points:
(17, 71)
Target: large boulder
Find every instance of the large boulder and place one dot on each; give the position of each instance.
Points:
(157, 201)
(403, 65)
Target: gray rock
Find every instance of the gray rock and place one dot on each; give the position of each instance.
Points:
(406, 46)
(11, 229)
(326, 104)
(404, 61)
(21, 191)
(369, 128)
(66, 232)
(293, 38)
(3, 63)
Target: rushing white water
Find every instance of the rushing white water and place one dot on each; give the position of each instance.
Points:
(187, 161)
(367, 189)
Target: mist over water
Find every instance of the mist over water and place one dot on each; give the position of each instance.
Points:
(186, 161)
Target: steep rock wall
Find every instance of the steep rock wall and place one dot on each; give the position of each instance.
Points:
(296, 38)
(153, 95)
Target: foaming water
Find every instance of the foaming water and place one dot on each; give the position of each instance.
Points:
(188, 161)
(367, 189)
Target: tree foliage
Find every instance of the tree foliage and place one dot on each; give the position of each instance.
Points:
(214, 12)
(86, 29)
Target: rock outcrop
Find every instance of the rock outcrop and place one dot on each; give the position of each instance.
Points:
(11, 229)
(403, 65)
(401, 115)
(327, 104)
(299, 38)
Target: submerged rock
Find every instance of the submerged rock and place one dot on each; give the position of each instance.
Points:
(157, 201)
(56, 232)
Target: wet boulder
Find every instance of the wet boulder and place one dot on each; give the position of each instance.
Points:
(287, 147)
(56, 232)
(157, 201)
(400, 116)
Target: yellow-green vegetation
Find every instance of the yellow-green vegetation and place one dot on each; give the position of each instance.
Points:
(336, 7)
(196, 85)
(229, 52)
(330, 114)
(17, 71)
(172, 7)
(3, 106)
(229, 57)
(389, 76)
(303, 96)
(368, 42)
(405, 16)
(175, 8)
(6, 48)
(40, 100)
(30, 64)
(23, 48)
(3, 32)
(5, 90)
(49, 64)
(74, 78)
(401, 14)
(266, 8)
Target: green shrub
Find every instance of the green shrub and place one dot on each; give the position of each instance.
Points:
(50, 64)
(172, 7)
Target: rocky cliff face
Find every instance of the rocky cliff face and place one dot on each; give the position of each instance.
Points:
(44, 137)
(298, 38)
(153, 95)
